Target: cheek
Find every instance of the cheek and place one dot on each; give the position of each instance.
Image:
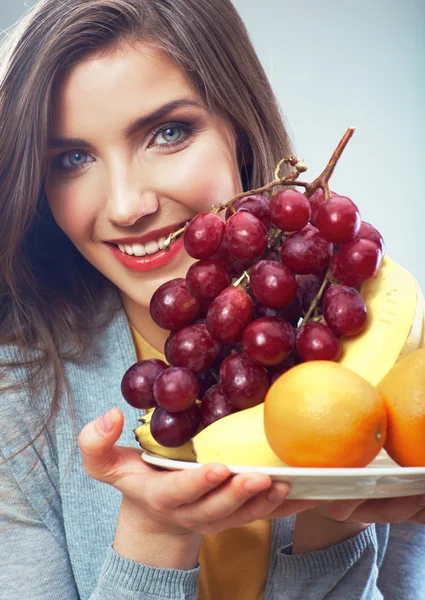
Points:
(72, 210)
(202, 175)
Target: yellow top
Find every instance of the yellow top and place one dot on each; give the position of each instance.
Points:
(234, 563)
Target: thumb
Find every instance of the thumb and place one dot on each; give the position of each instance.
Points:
(96, 442)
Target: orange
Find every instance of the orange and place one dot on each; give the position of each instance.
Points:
(403, 390)
(321, 414)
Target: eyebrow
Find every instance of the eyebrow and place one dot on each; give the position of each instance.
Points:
(142, 122)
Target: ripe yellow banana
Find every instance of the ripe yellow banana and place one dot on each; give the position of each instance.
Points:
(396, 327)
(237, 439)
(395, 308)
(219, 442)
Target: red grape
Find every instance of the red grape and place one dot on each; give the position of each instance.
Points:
(338, 220)
(273, 284)
(192, 347)
(244, 382)
(176, 389)
(368, 232)
(292, 312)
(306, 251)
(207, 278)
(137, 383)
(172, 306)
(204, 235)
(309, 286)
(316, 200)
(246, 236)
(268, 341)
(290, 210)
(206, 380)
(215, 405)
(315, 341)
(229, 314)
(235, 264)
(344, 310)
(177, 428)
(355, 262)
(257, 205)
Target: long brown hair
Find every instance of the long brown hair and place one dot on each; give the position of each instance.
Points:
(48, 292)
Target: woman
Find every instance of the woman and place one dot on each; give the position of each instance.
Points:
(121, 119)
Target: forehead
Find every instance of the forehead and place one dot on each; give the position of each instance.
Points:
(125, 82)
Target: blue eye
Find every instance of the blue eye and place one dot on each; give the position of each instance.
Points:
(73, 160)
(170, 135)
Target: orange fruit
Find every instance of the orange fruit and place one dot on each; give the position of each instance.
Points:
(321, 414)
(403, 390)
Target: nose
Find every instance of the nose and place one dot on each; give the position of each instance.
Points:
(129, 200)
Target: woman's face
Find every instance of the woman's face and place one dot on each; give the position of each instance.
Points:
(134, 155)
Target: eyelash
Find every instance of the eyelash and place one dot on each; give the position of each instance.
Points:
(188, 130)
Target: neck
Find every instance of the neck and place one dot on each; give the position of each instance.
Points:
(140, 318)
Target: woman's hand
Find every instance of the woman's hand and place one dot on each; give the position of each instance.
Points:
(204, 500)
(409, 509)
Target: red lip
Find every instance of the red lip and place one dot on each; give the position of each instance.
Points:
(148, 262)
(152, 235)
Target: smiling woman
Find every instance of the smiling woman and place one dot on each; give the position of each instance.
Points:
(120, 121)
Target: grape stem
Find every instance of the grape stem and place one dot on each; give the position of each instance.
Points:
(322, 181)
(243, 280)
(317, 299)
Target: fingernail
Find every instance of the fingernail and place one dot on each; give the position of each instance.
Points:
(277, 494)
(106, 422)
(421, 501)
(216, 475)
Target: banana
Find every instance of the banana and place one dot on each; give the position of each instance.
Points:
(395, 323)
(147, 442)
(218, 442)
(237, 440)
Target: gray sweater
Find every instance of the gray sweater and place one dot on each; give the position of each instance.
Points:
(56, 529)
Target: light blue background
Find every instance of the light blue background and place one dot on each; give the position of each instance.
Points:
(341, 63)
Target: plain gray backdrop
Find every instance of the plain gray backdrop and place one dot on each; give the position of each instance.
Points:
(340, 63)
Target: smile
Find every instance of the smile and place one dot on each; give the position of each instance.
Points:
(150, 247)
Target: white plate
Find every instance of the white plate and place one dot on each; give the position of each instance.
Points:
(383, 478)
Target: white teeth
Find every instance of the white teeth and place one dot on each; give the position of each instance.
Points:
(142, 249)
(151, 247)
(139, 250)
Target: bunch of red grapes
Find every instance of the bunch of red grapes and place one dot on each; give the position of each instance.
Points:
(276, 283)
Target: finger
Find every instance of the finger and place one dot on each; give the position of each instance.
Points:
(388, 510)
(225, 500)
(340, 510)
(96, 442)
(168, 491)
(262, 506)
(273, 503)
(293, 507)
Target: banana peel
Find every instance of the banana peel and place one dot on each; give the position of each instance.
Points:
(395, 306)
(395, 328)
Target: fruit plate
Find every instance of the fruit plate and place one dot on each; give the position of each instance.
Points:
(382, 478)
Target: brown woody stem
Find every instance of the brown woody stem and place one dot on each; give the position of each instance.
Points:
(322, 181)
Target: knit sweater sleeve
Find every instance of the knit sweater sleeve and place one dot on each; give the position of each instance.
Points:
(35, 561)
